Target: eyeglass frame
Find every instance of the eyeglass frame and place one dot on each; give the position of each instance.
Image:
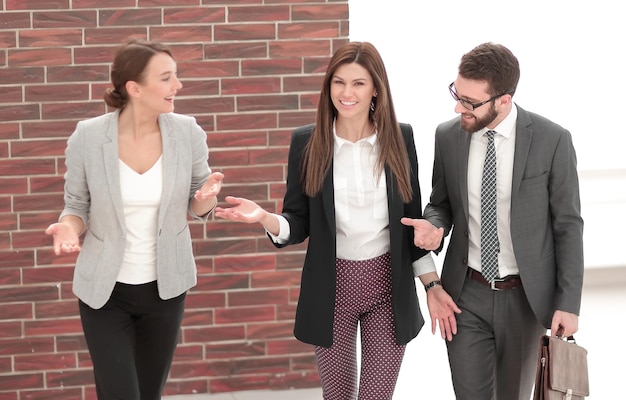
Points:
(466, 103)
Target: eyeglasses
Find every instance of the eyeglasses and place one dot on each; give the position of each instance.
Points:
(466, 104)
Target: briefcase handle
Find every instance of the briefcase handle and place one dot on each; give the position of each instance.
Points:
(559, 335)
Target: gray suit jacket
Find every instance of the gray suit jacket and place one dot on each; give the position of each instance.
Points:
(546, 226)
(92, 192)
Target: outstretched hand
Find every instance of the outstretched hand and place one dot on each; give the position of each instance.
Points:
(426, 235)
(211, 187)
(65, 239)
(243, 210)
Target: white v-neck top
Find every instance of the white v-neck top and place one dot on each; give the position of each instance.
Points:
(141, 197)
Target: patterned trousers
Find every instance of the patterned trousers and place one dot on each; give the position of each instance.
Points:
(363, 296)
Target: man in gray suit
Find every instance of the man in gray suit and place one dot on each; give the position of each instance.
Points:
(537, 240)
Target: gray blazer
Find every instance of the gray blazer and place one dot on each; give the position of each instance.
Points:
(546, 225)
(92, 192)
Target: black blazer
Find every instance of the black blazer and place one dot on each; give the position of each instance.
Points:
(314, 218)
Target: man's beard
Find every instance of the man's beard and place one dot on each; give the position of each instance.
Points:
(480, 123)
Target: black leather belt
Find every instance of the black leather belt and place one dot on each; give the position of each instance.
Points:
(508, 282)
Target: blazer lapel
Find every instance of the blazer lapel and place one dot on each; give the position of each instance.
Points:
(396, 208)
(170, 163)
(110, 153)
(462, 155)
(523, 137)
(396, 211)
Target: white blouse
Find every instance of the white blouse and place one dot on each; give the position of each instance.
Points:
(361, 212)
(361, 209)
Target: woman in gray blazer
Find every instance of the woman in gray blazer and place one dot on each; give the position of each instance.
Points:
(132, 177)
(352, 177)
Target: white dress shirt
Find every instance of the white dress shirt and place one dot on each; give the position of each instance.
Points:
(361, 208)
(505, 153)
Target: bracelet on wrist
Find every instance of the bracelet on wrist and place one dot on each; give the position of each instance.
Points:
(432, 284)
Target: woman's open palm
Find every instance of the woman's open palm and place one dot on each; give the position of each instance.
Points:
(243, 210)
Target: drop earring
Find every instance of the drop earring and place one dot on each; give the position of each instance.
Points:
(372, 105)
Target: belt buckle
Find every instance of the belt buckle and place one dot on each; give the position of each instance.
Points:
(492, 284)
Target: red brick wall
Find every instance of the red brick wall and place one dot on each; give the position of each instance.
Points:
(251, 71)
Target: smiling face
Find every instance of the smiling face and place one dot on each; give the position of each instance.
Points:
(487, 115)
(351, 91)
(158, 86)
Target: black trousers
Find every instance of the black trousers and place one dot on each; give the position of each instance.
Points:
(132, 340)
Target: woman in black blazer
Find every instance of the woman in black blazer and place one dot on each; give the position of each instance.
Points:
(352, 177)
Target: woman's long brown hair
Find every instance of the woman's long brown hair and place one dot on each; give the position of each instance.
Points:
(318, 154)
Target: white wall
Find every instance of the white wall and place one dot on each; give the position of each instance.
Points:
(571, 54)
(572, 59)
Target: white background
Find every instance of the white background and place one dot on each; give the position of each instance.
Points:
(572, 57)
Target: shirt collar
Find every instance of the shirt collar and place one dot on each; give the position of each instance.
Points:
(506, 127)
(339, 141)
